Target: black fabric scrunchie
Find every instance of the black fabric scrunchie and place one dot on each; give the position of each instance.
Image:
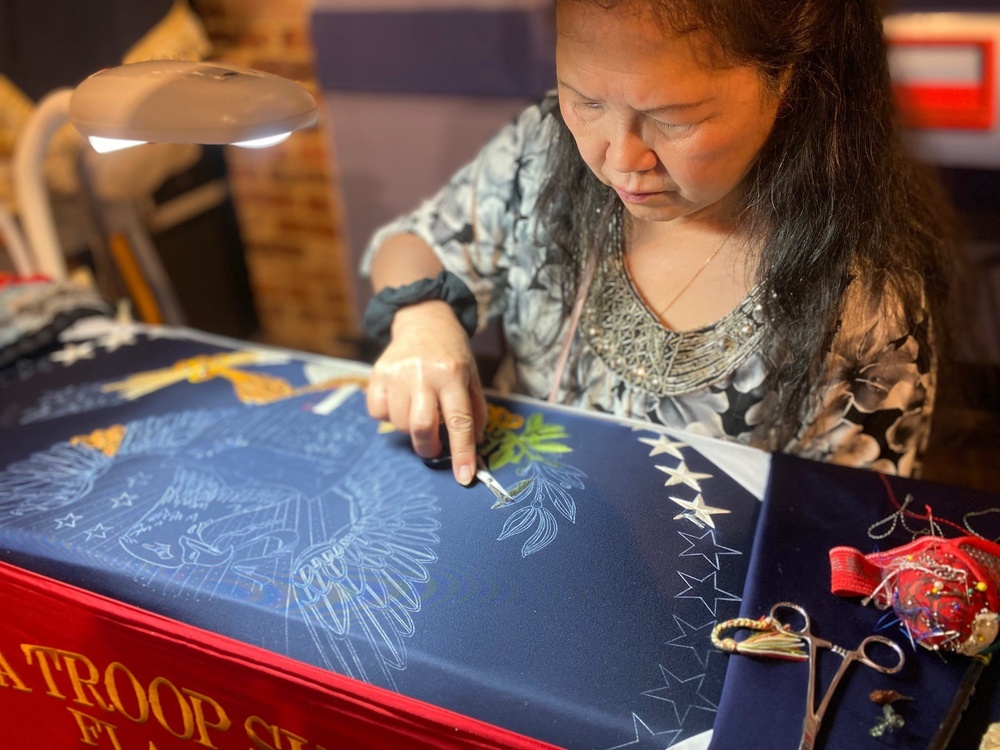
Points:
(446, 286)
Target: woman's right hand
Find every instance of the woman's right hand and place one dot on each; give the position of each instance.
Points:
(428, 376)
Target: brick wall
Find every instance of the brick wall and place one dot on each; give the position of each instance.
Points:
(284, 196)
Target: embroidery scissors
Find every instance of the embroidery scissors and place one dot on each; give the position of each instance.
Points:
(862, 654)
(483, 474)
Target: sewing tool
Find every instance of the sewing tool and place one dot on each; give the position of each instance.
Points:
(944, 592)
(952, 718)
(780, 638)
(483, 474)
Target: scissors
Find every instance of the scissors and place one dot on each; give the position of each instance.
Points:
(483, 474)
(862, 654)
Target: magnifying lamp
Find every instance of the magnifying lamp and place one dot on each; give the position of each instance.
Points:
(158, 101)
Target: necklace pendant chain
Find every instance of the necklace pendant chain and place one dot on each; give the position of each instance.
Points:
(708, 261)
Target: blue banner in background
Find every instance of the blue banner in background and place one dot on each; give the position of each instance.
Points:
(497, 53)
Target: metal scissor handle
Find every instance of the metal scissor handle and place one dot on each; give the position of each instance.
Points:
(787, 626)
(865, 653)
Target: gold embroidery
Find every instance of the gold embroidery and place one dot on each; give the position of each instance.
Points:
(249, 387)
(106, 441)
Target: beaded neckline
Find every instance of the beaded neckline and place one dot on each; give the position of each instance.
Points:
(628, 337)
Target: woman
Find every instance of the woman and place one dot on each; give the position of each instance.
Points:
(712, 227)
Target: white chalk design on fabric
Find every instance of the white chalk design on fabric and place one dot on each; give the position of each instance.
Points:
(72, 399)
(329, 531)
(705, 545)
(357, 588)
(679, 693)
(643, 734)
(705, 590)
(544, 483)
(699, 636)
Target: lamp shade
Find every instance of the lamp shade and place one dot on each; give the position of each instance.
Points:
(176, 101)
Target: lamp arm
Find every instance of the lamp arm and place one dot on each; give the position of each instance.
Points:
(14, 243)
(29, 183)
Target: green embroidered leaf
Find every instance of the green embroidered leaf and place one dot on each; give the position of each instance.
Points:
(503, 456)
(552, 448)
(550, 432)
(520, 487)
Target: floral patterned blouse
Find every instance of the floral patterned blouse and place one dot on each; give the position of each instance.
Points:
(877, 396)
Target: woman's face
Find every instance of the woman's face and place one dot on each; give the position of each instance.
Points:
(652, 118)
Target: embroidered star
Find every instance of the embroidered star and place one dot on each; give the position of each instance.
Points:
(117, 338)
(123, 499)
(662, 445)
(704, 589)
(641, 735)
(100, 531)
(72, 353)
(697, 512)
(683, 696)
(706, 546)
(683, 475)
(68, 521)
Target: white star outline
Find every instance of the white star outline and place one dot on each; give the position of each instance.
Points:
(648, 733)
(697, 511)
(698, 550)
(68, 521)
(125, 498)
(99, 531)
(687, 630)
(679, 683)
(724, 596)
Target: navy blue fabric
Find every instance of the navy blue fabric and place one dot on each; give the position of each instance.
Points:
(810, 508)
(579, 615)
(500, 53)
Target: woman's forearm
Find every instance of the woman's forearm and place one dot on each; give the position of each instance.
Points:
(403, 259)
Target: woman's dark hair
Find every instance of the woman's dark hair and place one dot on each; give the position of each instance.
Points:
(832, 191)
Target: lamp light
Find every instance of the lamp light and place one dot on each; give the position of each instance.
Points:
(176, 101)
(157, 101)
